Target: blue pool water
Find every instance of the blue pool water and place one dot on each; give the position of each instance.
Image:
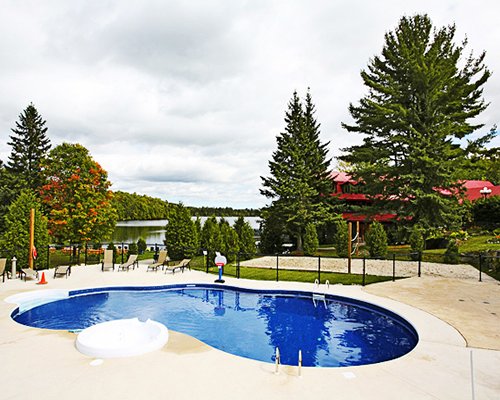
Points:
(335, 332)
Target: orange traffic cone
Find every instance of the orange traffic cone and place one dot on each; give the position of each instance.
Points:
(42, 281)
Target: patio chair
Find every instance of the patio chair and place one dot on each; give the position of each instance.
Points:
(3, 271)
(131, 262)
(28, 273)
(162, 260)
(62, 270)
(180, 265)
(108, 261)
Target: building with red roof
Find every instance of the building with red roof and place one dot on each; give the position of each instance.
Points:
(351, 192)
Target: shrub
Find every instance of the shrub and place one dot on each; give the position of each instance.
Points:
(311, 242)
(417, 242)
(451, 256)
(340, 238)
(132, 248)
(376, 240)
(141, 245)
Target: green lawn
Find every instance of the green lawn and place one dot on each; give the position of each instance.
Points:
(268, 274)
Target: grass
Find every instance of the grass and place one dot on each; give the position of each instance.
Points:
(269, 274)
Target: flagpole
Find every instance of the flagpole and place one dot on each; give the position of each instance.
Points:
(32, 238)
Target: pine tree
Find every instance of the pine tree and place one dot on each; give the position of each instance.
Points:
(421, 96)
(30, 146)
(180, 233)
(246, 241)
(271, 232)
(299, 169)
(229, 241)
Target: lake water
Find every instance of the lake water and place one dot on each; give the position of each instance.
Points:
(154, 231)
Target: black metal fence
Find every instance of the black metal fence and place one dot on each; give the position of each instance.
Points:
(241, 265)
(320, 268)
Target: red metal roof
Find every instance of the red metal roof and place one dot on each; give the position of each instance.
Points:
(472, 188)
(475, 193)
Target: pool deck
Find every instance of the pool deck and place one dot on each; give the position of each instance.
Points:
(455, 318)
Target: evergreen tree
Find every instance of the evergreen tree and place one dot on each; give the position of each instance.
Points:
(416, 241)
(271, 232)
(229, 241)
(246, 241)
(341, 238)
(141, 245)
(451, 255)
(8, 193)
(210, 235)
(311, 242)
(30, 147)
(376, 240)
(180, 233)
(421, 96)
(16, 239)
(299, 172)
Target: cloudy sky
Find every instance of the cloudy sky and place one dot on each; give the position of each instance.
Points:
(183, 100)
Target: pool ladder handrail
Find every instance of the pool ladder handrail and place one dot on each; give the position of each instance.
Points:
(319, 296)
(277, 361)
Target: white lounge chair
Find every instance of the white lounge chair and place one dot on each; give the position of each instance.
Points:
(162, 260)
(62, 270)
(108, 261)
(28, 273)
(180, 265)
(3, 271)
(131, 262)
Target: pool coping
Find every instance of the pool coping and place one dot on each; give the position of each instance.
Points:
(438, 367)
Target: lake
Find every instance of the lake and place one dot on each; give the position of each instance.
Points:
(154, 231)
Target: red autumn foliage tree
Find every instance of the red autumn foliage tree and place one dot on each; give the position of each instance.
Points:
(76, 196)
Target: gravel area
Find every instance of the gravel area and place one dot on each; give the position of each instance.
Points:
(372, 267)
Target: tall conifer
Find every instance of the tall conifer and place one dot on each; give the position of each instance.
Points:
(421, 97)
(298, 170)
(30, 145)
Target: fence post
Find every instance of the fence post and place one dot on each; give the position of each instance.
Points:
(238, 265)
(277, 266)
(480, 266)
(70, 253)
(419, 264)
(48, 256)
(319, 269)
(123, 248)
(86, 252)
(393, 267)
(363, 281)
(206, 253)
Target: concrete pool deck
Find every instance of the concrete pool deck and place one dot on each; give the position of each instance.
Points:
(453, 317)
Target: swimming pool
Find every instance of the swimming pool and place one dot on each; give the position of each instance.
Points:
(330, 331)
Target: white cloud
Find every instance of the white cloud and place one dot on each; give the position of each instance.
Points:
(183, 100)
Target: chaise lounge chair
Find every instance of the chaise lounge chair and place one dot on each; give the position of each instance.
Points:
(62, 270)
(108, 261)
(131, 262)
(28, 273)
(162, 261)
(3, 271)
(180, 265)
